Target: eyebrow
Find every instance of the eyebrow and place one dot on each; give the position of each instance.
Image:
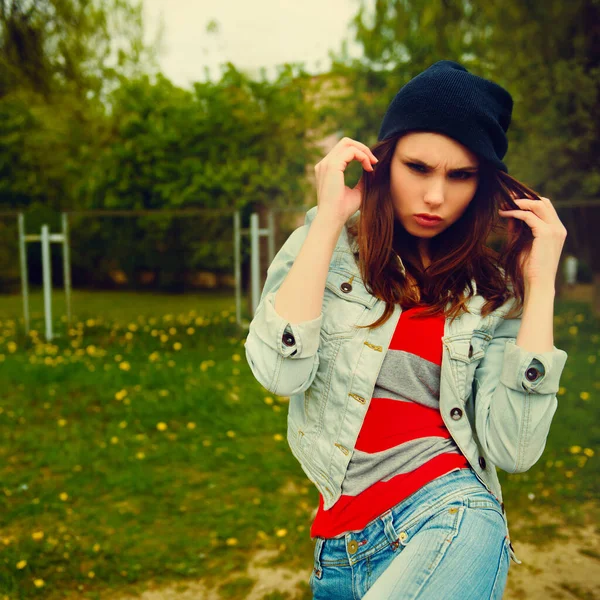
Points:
(420, 162)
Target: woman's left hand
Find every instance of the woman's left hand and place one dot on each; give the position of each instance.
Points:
(541, 264)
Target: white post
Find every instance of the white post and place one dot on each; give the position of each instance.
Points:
(254, 261)
(47, 275)
(24, 274)
(237, 267)
(66, 265)
(271, 234)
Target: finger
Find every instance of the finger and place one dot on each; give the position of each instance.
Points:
(363, 147)
(523, 215)
(352, 153)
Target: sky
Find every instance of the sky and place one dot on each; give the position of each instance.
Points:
(251, 34)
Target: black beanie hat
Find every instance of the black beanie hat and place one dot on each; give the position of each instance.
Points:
(446, 98)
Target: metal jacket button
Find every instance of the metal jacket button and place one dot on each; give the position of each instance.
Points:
(532, 374)
(456, 413)
(352, 546)
(482, 462)
(288, 339)
(346, 287)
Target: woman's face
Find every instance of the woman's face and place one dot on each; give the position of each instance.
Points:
(433, 174)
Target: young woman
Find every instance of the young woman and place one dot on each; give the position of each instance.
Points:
(416, 358)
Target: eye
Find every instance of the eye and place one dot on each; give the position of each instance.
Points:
(416, 167)
(462, 175)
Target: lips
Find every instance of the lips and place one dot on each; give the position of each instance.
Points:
(429, 217)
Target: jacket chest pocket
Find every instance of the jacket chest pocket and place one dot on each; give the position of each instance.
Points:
(466, 351)
(346, 303)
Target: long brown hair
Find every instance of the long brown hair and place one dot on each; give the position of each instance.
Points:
(458, 254)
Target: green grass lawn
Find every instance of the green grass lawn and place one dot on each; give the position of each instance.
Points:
(139, 446)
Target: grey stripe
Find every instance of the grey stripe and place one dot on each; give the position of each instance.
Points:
(365, 468)
(406, 376)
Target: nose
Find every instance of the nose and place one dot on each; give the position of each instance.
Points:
(434, 194)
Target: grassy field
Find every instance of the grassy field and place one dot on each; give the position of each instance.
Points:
(139, 446)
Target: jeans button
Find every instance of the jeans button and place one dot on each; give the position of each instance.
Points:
(352, 546)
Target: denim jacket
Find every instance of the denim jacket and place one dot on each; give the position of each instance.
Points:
(496, 399)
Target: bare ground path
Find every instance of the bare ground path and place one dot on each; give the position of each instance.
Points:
(567, 566)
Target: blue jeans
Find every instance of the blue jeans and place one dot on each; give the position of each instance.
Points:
(446, 540)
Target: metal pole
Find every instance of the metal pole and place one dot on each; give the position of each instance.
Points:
(47, 274)
(271, 235)
(236, 267)
(66, 266)
(254, 261)
(24, 275)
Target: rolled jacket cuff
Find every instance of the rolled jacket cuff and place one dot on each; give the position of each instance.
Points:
(535, 372)
(296, 340)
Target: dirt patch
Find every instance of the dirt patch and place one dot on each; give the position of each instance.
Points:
(566, 566)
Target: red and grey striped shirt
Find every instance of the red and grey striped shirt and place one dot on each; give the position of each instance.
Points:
(403, 442)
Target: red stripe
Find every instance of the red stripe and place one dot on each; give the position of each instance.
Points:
(391, 422)
(422, 336)
(356, 512)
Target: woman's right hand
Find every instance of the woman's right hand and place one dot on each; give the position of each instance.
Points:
(335, 199)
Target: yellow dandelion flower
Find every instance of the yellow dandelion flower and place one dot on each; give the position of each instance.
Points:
(281, 532)
(171, 363)
(588, 452)
(164, 338)
(123, 424)
(12, 347)
(231, 541)
(190, 331)
(172, 330)
(561, 390)
(64, 496)
(177, 346)
(191, 425)
(124, 366)
(91, 574)
(573, 329)
(37, 535)
(133, 327)
(21, 564)
(236, 358)
(591, 358)
(114, 439)
(62, 422)
(38, 583)
(581, 460)
(161, 426)
(584, 395)
(121, 394)
(262, 535)
(90, 322)
(268, 400)
(154, 357)
(277, 408)
(558, 464)
(231, 434)
(569, 474)
(140, 455)
(129, 335)
(575, 449)
(278, 437)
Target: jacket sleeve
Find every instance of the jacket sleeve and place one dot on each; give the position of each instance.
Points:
(282, 355)
(515, 399)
